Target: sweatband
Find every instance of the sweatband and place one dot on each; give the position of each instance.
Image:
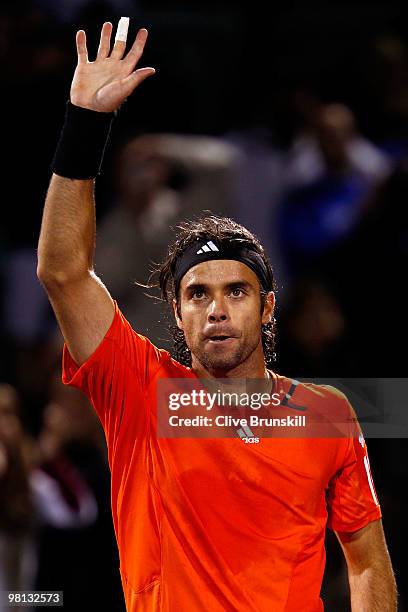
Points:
(82, 143)
(206, 250)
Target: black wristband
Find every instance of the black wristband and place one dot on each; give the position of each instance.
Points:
(82, 143)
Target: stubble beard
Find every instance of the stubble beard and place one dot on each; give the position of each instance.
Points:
(224, 362)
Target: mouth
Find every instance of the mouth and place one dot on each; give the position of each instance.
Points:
(219, 339)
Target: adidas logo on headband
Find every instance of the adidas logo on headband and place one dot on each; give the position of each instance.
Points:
(206, 248)
(210, 250)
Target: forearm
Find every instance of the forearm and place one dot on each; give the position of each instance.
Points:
(373, 590)
(67, 238)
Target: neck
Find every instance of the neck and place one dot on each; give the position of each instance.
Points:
(252, 367)
(236, 380)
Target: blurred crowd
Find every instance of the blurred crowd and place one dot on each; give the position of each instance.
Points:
(304, 142)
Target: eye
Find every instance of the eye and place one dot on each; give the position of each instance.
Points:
(198, 294)
(237, 292)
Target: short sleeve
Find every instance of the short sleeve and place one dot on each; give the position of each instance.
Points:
(117, 373)
(352, 499)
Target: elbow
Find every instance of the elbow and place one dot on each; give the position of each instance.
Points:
(58, 277)
(49, 278)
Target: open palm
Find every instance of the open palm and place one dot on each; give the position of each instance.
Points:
(104, 84)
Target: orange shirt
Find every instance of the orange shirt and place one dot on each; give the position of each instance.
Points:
(216, 525)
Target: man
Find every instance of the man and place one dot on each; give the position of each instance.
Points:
(201, 524)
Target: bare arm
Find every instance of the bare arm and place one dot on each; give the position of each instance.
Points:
(371, 578)
(82, 304)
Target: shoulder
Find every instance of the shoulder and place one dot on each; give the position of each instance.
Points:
(326, 393)
(325, 401)
(173, 368)
(310, 390)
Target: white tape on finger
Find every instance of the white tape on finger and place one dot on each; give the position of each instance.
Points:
(122, 31)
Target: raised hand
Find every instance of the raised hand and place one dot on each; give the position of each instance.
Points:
(104, 84)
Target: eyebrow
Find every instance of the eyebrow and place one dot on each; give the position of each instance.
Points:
(233, 285)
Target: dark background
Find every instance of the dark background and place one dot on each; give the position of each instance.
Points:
(223, 68)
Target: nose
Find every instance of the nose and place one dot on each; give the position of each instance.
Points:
(217, 312)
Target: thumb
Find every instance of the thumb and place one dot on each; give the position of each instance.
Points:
(134, 79)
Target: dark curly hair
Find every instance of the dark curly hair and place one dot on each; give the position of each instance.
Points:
(225, 231)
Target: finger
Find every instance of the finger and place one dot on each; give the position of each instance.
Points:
(81, 47)
(136, 51)
(130, 83)
(104, 44)
(120, 38)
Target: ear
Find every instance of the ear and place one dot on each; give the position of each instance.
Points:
(269, 308)
(176, 314)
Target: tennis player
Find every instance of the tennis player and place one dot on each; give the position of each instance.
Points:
(209, 525)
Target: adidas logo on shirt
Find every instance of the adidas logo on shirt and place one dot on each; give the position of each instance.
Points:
(206, 248)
